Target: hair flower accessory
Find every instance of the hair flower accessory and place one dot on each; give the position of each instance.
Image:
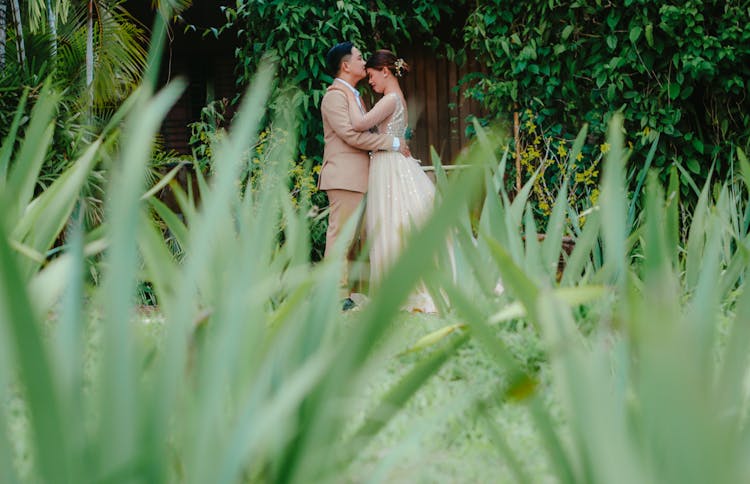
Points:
(399, 67)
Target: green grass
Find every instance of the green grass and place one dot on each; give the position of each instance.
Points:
(437, 436)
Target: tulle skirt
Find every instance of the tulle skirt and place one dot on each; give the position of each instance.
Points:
(400, 196)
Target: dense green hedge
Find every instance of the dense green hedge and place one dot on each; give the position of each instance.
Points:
(676, 68)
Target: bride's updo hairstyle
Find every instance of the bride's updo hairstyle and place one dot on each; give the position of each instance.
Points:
(386, 58)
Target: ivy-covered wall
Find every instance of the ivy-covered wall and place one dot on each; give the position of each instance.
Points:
(676, 68)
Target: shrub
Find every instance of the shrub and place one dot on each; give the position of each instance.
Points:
(675, 70)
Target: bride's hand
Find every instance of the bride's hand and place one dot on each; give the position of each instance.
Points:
(404, 149)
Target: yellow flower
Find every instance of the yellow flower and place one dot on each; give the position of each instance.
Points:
(561, 149)
(594, 196)
(646, 131)
(604, 147)
(579, 157)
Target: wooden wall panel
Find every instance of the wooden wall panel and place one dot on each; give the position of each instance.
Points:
(443, 113)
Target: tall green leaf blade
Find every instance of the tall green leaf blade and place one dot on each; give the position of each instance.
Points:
(533, 262)
(69, 355)
(174, 224)
(25, 170)
(492, 218)
(119, 398)
(581, 254)
(48, 214)
(258, 234)
(182, 310)
(641, 179)
(23, 330)
(441, 178)
(744, 167)
(672, 218)
(697, 237)
(734, 362)
(578, 144)
(515, 279)
(613, 200)
(706, 300)
(10, 140)
(158, 260)
(582, 376)
(518, 205)
(552, 244)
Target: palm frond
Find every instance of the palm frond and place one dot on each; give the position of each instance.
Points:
(38, 11)
(171, 7)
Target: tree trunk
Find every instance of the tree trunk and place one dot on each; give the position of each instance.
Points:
(19, 33)
(90, 46)
(52, 29)
(3, 32)
(517, 141)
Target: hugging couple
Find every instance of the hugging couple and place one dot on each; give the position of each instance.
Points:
(365, 152)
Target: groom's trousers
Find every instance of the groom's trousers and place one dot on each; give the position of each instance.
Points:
(343, 204)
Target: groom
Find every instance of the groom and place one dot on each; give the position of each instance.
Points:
(346, 161)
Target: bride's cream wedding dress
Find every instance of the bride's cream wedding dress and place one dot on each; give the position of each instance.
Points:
(399, 196)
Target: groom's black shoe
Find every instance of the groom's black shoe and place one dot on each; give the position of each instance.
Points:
(348, 304)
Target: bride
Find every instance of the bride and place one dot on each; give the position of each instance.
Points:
(399, 194)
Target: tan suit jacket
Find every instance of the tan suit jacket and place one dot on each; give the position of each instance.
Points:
(346, 161)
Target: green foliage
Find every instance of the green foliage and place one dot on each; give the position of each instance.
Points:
(654, 293)
(675, 70)
(260, 160)
(59, 56)
(207, 131)
(300, 34)
(253, 375)
(249, 367)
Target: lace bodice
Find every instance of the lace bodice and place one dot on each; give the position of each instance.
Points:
(395, 125)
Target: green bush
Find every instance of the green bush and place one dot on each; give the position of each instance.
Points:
(677, 70)
(260, 160)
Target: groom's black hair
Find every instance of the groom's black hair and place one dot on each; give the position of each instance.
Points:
(336, 54)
